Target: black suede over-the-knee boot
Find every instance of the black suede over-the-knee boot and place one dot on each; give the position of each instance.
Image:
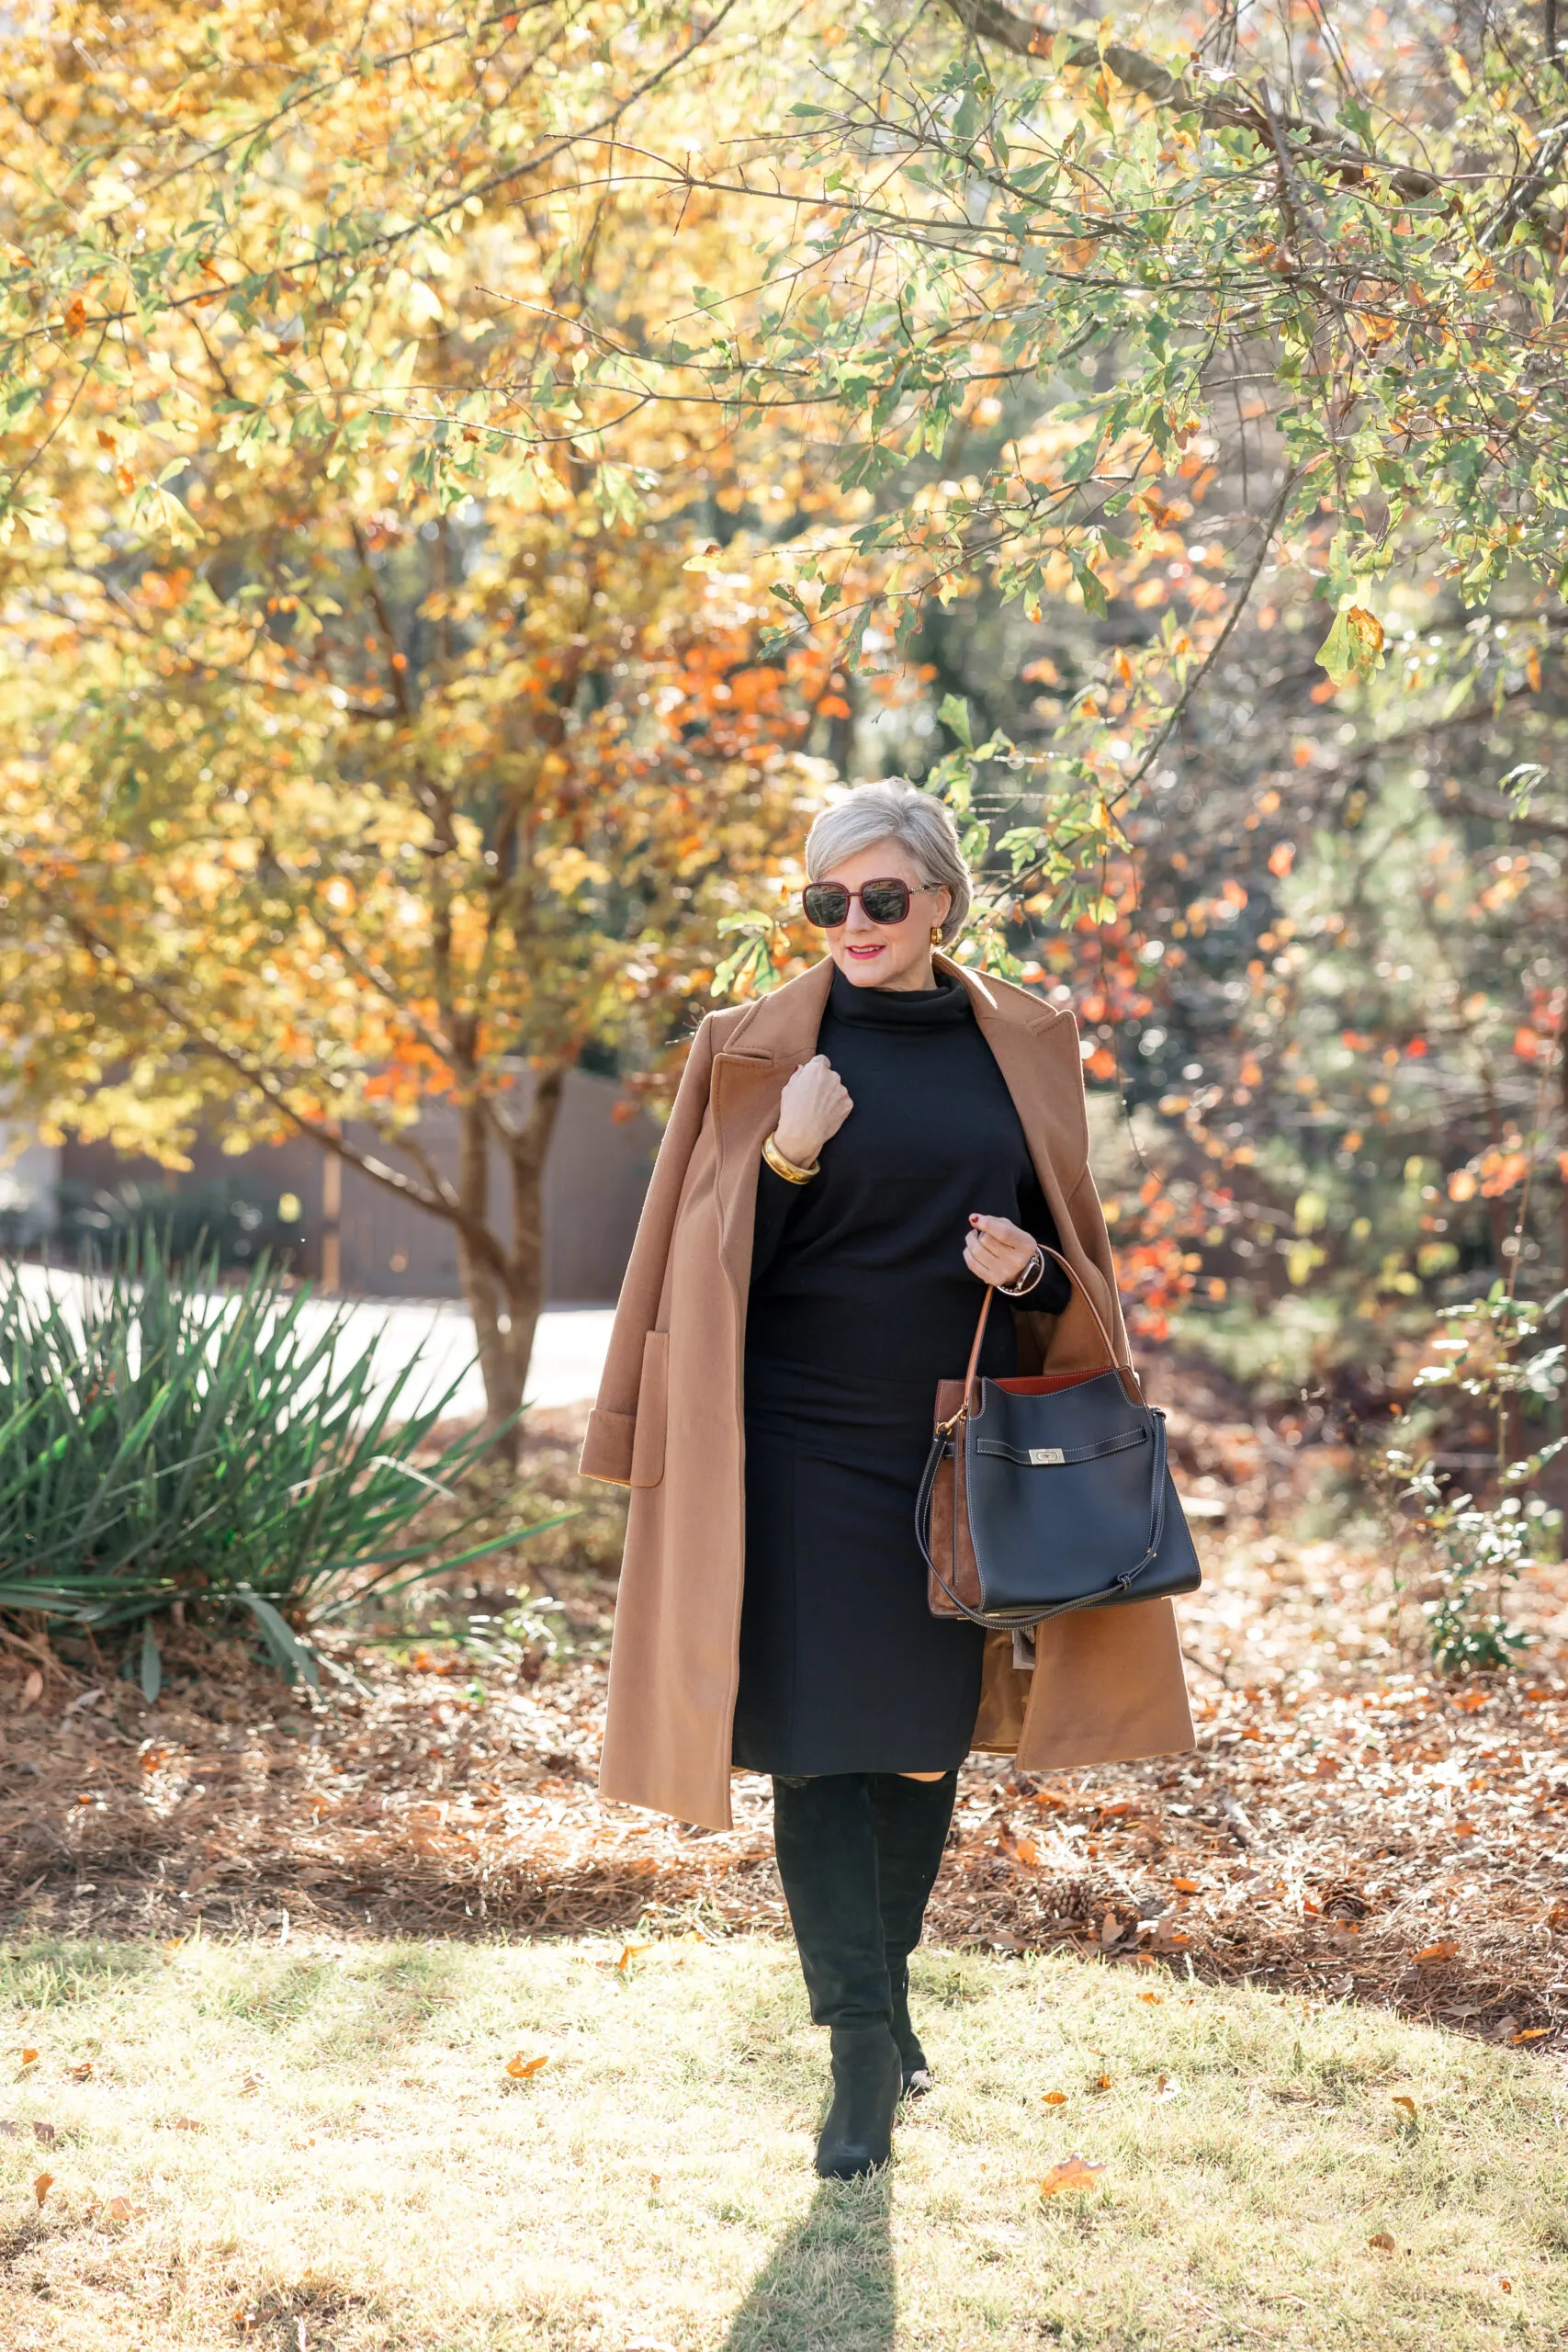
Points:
(910, 1820)
(827, 1856)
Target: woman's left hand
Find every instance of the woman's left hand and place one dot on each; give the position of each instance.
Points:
(996, 1250)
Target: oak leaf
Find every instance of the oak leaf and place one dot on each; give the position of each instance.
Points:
(520, 2069)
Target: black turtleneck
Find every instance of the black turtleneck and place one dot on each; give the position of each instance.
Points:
(861, 1270)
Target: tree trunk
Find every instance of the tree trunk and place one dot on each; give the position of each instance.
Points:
(506, 1299)
(526, 1259)
(484, 1285)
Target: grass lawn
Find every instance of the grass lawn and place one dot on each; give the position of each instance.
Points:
(321, 2148)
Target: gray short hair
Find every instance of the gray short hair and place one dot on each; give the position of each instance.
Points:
(895, 810)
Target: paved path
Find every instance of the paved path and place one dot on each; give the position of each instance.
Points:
(569, 1348)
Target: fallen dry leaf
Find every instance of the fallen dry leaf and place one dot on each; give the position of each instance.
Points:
(29, 2057)
(1167, 2087)
(185, 2123)
(1531, 2033)
(1464, 1828)
(1186, 1886)
(1434, 1952)
(32, 1689)
(1383, 2242)
(520, 2069)
(630, 1952)
(1028, 1852)
(1151, 1996)
(1102, 2082)
(44, 2134)
(1403, 2099)
(170, 1947)
(42, 2186)
(82, 2072)
(1054, 2099)
(1074, 2173)
(118, 2210)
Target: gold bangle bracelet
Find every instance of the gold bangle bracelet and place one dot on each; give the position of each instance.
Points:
(786, 1168)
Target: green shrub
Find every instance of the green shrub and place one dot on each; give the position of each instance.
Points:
(167, 1440)
(1474, 1550)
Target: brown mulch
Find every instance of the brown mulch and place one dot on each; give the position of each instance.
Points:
(1348, 1823)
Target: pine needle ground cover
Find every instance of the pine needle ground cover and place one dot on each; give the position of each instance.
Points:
(1350, 1825)
(358, 2147)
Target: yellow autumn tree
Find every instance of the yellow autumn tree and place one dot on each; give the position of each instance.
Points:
(331, 786)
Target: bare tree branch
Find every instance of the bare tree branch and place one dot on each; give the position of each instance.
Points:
(437, 1195)
(1233, 108)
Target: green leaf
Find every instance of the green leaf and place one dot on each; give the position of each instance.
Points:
(953, 712)
(1354, 646)
(280, 1638)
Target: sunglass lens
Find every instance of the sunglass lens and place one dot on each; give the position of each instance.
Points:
(826, 904)
(886, 901)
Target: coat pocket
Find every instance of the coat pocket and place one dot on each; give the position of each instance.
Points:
(652, 1411)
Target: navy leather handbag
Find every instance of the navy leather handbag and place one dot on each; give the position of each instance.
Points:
(1050, 1493)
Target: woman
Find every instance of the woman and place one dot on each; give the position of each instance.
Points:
(849, 1162)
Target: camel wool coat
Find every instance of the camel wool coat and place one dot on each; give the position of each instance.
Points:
(1106, 1683)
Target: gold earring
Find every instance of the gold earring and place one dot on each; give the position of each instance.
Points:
(936, 934)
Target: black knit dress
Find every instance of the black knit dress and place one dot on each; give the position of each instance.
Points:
(860, 1302)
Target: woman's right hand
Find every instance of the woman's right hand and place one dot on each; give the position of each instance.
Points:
(813, 1105)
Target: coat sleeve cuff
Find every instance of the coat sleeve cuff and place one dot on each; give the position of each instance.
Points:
(607, 1447)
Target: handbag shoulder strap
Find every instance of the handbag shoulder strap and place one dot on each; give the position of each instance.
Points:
(1124, 1372)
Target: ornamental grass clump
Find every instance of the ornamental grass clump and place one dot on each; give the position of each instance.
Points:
(165, 1440)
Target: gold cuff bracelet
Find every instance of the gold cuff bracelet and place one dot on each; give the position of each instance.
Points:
(786, 1168)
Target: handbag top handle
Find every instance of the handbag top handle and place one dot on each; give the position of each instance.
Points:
(1128, 1377)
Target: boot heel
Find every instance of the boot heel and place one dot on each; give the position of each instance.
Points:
(867, 2086)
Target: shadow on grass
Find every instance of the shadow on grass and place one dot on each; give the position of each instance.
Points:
(828, 2286)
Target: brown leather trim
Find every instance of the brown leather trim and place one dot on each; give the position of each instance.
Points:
(952, 1553)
